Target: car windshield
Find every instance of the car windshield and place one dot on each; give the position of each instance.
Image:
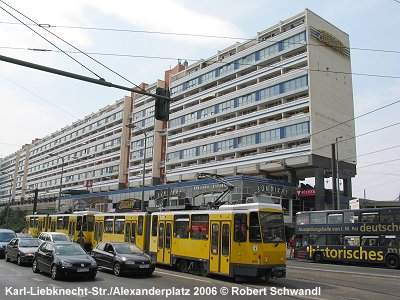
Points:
(61, 237)
(272, 227)
(24, 236)
(29, 243)
(6, 236)
(127, 249)
(69, 249)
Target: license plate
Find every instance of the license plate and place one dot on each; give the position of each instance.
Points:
(144, 266)
(83, 270)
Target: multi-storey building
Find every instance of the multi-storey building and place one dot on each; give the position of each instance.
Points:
(91, 154)
(270, 107)
(266, 107)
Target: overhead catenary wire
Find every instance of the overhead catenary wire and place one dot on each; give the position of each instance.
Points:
(194, 35)
(50, 42)
(39, 97)
(69, 44)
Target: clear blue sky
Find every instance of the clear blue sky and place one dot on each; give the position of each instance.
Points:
(34, 104)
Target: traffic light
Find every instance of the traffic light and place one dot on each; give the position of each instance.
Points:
(162, 106)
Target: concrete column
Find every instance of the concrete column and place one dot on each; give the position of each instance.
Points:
(319, 189)
(292, 178)
(347, 187)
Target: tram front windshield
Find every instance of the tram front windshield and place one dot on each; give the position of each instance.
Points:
(272, 227)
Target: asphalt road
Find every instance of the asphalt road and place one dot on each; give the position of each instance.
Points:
(335, 282)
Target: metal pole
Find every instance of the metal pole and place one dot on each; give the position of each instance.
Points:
(9, 202)
(337, 170)
(61, 179)
(144, 169)
(334, 173)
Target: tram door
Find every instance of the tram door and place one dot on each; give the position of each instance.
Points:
(98, 233)
(130, 232)
(164, 242)
(71, 229)
(220, 250)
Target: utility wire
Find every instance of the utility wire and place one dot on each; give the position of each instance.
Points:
(379, 163)
(219, 62)
(37, 96)
(49, 42)
(69, 44)
(198, 35)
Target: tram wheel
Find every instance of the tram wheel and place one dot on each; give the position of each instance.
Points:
(182, 266)
(392, 261)
(318, 257)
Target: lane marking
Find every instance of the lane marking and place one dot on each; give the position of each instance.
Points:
(180, 276)
(346, 272)
(36, 279)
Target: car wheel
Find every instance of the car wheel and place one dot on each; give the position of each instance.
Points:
(117, 269)
(19, 262)
(7, 258)
(35, 269)
(54, 273)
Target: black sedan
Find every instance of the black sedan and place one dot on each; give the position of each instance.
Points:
(22, 250)
(64, 259)
(123, 258)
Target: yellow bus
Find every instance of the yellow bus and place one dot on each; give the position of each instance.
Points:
(121, 227)
(35, 224)
(235, 240)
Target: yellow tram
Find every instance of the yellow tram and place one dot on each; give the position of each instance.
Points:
(121, 227)
(35, 224)
(235, 240)
(79, 226)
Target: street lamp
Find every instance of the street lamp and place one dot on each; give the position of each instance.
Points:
(144, 162)
(337, 170)
(58, 203)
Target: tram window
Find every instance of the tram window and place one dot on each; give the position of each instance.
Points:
(334, 240)
(154, 225)
(60, 223)
(31, 222)
(168, 236)
(119, 225)
(255, 232)
(317, 239)
(96, 231)
(140, 225)
(90, 223)
(199, 229)
(372, 217)
(225, 240)
(240, 225)
(79, 225)
(214, 238)
(181, 226)
(303, 219)
(161, 235)
(318, 218)
(133, 238)
(351, 240)
(108, 224)
(335, 218)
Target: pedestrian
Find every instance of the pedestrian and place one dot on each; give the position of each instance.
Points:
(291, 246)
